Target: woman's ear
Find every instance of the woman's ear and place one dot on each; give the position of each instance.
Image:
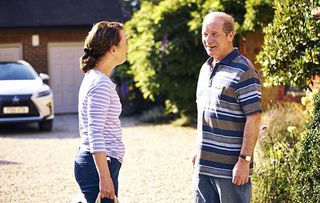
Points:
(112, 50)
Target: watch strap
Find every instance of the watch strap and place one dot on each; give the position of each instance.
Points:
(245, 157)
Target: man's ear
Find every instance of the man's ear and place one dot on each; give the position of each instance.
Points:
(231, 36)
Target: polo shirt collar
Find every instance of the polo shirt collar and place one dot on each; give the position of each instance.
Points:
(227, 59)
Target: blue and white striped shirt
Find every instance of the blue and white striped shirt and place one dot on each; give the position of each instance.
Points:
(227, 92)
(99, 110)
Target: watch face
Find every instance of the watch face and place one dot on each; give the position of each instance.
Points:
(248, 158)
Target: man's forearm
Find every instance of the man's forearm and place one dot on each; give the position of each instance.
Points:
(251, 133)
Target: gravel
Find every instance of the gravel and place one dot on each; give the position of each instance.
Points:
(38, 167)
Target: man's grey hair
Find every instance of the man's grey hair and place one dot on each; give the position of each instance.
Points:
(228, 25)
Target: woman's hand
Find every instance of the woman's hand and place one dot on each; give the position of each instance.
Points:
(106, 187)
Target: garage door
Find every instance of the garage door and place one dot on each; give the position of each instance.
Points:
(65, 75)
(10, 52)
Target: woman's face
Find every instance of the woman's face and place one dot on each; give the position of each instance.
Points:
(122, 49)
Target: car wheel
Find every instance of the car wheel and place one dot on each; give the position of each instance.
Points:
(46, 125)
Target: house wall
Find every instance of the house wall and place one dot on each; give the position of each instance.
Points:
(37, 56)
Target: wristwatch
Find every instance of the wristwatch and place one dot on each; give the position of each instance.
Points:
(245, 157)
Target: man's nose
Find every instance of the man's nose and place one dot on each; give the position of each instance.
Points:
(210, 38)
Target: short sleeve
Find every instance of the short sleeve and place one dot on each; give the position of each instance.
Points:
(248, 92)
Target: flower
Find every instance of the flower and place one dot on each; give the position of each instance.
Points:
(304, 101)
(164, 42)
(316, 12)
(292, 129)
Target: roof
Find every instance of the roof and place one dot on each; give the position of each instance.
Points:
(42, 13)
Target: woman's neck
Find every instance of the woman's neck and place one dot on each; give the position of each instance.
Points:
(105, 66)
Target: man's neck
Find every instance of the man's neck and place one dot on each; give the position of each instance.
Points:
(226, 53)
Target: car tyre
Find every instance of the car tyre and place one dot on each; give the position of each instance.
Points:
(46, 125)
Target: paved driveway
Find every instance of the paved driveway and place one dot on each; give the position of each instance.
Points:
(38, 166)
(64, 126)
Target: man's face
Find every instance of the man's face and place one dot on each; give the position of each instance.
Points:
(216, 42)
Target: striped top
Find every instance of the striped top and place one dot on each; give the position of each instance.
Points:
(99, 110)
(227, 91)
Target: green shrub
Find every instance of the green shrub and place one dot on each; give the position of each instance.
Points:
(307, 173)
(276, 153)
(165, 57)
(291, 49)
(165, 49)
(131, 97)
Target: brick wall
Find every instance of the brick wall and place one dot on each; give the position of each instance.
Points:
(37, 56)
(315, 82)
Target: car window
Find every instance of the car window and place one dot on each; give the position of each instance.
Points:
(15, 71)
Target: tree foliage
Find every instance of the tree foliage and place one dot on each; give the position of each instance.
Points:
(259, 13)
(165, 49)
(291, 49)
(307, 173)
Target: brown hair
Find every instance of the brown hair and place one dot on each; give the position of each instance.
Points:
(99, 41)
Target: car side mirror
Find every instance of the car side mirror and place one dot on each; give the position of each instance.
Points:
(44, 76)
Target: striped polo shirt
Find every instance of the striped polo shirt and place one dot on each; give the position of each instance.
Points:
(99, 110)
(227, 92)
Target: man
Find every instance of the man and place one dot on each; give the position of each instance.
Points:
(229, 107)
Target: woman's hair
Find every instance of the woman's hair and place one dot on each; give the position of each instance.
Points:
(99, 41)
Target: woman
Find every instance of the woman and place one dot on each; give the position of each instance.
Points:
(101, 149)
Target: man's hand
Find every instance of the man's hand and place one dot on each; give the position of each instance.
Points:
(240, 172)
(106, 187)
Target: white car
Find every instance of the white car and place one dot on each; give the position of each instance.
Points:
(24, 97)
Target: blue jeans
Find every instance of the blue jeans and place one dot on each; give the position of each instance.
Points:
(209, 189)
(87, 176)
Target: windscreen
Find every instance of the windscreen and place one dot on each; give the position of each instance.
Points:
(16, 71)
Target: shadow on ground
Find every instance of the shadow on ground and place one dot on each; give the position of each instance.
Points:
(4, 162)
(64, 126)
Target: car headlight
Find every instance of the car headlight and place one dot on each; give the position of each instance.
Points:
(44, 93)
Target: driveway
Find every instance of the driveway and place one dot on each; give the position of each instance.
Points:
(65, 126)
(38, 166)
